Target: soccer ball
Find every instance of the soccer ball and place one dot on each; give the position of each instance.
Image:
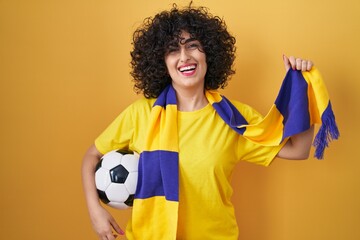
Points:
(116, 178)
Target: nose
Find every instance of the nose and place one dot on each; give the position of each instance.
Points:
(184, 55)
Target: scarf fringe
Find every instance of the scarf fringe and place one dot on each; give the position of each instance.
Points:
(327, 132)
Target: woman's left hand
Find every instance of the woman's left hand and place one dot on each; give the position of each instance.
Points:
(297, 63)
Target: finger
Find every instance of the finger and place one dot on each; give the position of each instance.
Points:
(298, 63)
(286, 63)
(116, 227)
(104, 238)
(292, 62)
(110, 236)
(304, 65)
(309, 65)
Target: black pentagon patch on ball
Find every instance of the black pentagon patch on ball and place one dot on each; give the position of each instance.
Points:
(130, 200)
(124, 152)
(103, 197)
(118, 174)
(98, 165)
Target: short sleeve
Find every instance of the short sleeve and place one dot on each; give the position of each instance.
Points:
(118, 134)
(256, 153)
(127, 131)
(250, 151)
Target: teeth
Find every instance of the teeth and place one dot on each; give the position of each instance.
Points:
(187, 68)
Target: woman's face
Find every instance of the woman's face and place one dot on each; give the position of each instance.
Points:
(186, 63)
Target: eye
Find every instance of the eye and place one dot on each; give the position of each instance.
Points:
(172, 49)
(194, 45)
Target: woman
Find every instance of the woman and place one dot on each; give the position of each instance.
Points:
(191, 51)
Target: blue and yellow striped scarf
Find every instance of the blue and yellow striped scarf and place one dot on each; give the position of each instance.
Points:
(302, 101)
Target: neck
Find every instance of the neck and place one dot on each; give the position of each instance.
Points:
(188, 101)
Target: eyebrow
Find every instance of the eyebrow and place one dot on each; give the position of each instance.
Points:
(184, 41)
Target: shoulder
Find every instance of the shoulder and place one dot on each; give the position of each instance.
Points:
(141, 105)
(248, 112)
(139, 108)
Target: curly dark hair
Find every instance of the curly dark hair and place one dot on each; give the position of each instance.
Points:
(151, 40)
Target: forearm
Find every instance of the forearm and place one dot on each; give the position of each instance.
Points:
(103, 222)
(91, 158)
(298, 146)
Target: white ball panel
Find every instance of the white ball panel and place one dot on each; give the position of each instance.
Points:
(111, 160)
(117, 192)
(102, 179)
(130, 162)
(118, 205)
(131, 182)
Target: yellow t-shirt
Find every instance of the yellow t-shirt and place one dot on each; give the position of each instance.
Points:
(208, 151)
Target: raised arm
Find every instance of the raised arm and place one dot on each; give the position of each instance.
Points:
(298, 146)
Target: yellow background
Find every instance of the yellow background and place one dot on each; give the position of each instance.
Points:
(64, 75)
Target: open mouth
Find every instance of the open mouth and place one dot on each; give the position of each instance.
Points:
(187, 68)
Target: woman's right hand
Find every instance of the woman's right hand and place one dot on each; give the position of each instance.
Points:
(104, 224)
